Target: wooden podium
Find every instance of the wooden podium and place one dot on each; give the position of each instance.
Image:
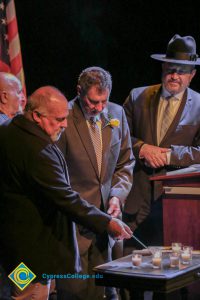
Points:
(181, 208)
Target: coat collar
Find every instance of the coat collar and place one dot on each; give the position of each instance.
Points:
(176, 119)
(154, 101)
(31, 127)
(82, 129)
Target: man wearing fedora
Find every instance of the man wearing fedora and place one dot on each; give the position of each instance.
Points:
(164, 121)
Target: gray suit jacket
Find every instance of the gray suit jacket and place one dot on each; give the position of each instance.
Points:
(183, 137)
(117, 164)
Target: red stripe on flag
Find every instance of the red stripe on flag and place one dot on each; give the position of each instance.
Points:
(4, 67)
(9, 41)
(12, 29)
(16, 64)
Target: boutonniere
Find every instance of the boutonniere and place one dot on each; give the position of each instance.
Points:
(113, 122)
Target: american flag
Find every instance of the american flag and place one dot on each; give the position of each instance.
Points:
(10, 51)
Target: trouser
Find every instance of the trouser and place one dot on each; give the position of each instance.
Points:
(34, 291)
(150, 232)
(78, 289)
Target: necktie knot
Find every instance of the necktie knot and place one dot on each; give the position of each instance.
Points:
(92, 122)
(169, 97)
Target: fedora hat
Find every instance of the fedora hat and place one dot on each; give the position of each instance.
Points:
(180, 50)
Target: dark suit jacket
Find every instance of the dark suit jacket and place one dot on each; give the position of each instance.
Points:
(117, 162)
(183, 137)
(38, 206)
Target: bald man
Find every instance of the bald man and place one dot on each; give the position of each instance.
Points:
(38, 206)
(12, 98)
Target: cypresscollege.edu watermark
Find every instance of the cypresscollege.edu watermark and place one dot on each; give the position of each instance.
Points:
(71, 276)
(22, 276)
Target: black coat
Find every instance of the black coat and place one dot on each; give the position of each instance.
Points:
(38, 206)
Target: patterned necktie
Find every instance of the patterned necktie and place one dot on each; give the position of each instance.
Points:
(168, 116)
(96, 141)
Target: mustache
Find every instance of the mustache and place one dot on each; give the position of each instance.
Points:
(174, 80)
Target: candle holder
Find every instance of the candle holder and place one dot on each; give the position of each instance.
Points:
(157, 258)
(176, 247)
(136, 259)
(186, 255)
(174, 259)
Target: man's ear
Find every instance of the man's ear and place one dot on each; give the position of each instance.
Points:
(3, 97)
(36, 117)
(193, 73)
(79, 90)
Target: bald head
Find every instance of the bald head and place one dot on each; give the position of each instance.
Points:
(11, 94)
(45, 99)
(7, 80)
(48, 108)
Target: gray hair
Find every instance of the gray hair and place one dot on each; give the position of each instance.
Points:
(95, 76)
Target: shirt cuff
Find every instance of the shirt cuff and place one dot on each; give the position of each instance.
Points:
(168, 157)
(140, 156)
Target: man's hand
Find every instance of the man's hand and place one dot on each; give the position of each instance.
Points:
(114, 207)
(154, 156)
(118, 229)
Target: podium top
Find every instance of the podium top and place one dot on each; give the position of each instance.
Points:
(176, 176)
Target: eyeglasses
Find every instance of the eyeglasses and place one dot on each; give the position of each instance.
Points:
(178, 71)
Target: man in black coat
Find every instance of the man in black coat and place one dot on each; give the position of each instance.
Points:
(38, 206)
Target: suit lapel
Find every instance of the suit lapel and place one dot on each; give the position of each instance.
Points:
(188, 105)
(82, 129)
(154, 102)
(176, 120)
(106, 143)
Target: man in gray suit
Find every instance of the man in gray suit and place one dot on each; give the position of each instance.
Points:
(100, 170)
(164, 121)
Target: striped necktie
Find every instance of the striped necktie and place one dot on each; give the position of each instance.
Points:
(96, 140)
(168, 116)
